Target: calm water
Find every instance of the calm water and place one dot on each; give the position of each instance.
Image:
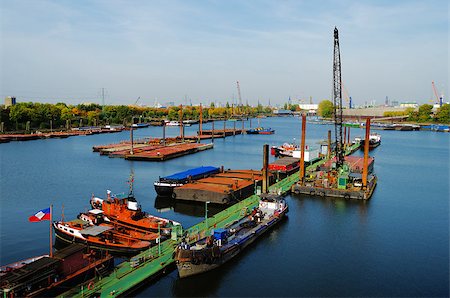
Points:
(397, 244)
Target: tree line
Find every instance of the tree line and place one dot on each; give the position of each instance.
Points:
(424, 114)
(31, 116)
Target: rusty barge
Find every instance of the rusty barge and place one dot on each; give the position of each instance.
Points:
(228, 187)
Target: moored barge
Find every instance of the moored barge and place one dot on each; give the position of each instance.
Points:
(228, 187)
(49, 276)
(165, 185)
(213, 251)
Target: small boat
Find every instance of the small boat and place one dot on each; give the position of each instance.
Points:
(261, 131)
(284, 150)
(140, 125)
(98, 237)
(127, 212)
(213, 251)
(95, 217)
(176, 123)
(374, 141)
(165, 185)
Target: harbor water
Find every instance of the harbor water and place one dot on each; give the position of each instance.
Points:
(396, 244)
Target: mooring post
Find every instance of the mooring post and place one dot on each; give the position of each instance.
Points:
(164, 133)
(212, 132)
(250, 122)
(345, 137)
(234, 128)
(131, 140)
(200, 127)
(265, 170)
(302, 152)
(224, 127)
(348, 137)
(366, 155)
(329, 145)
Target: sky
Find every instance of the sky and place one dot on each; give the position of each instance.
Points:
(195, 51)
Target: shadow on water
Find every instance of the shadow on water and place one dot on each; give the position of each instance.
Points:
(206, 284)
(196, 209)
(337, 205)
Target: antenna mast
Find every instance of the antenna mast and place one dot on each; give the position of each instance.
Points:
(337, 100)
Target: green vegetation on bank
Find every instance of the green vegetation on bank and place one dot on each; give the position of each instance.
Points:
(424, 114)
(31, 116)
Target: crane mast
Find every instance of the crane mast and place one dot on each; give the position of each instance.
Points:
(439, 99)
(337, 101)
(239, 93)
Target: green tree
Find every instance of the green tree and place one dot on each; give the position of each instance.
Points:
(325, 109)
(443, 114)
(424, 112)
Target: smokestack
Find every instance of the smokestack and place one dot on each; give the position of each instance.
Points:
(302, 148)
(366, 154)
(265, 170)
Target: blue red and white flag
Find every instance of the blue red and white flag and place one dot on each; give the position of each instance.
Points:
(43, 214)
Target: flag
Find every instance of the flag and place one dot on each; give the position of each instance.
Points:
(43, 214)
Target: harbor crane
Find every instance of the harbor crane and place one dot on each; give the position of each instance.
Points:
(347, 97)
(337, 101)
(439, 99)
(239, 93)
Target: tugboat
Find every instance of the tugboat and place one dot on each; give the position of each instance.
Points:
(128, 213)
(165, 185)
(212, 251)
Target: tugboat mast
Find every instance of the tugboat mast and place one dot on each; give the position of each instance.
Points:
(337, 101)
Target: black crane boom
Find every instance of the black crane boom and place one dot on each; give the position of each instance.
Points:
(337, 101)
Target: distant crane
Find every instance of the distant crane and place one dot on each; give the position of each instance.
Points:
(439, 99)
(348, 98)
(135, 103)
(239, 93)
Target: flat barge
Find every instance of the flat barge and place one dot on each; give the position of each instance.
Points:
(50, 276)
(228, 187)
(169, 152)
(165, 185)
(224, 132)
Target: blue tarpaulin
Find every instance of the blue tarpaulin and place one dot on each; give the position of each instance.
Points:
(200, 171)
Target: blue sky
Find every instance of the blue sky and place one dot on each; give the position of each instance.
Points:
(171, 50)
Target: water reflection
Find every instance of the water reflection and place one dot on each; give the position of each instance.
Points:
(338, 205)
(197, 209)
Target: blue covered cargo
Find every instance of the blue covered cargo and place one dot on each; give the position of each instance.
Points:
(192, 174)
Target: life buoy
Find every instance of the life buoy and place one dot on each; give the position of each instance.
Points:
(91, 285)
(347, 196)
(263, 204)
(225, 200)
(312, 193)
(322, 193)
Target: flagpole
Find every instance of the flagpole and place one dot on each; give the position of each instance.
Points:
(51, 222)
